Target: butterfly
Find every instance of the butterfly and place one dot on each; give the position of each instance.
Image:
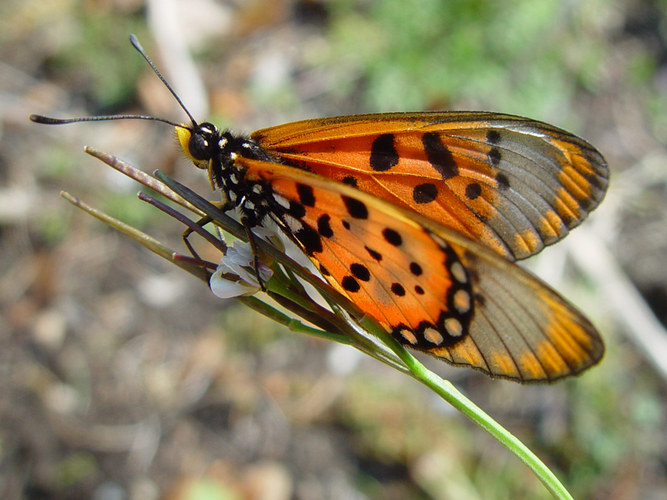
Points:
(417, 218)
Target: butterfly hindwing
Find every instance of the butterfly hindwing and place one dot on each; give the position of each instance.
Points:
(522, 329)
(512, 183)
(390, 268)
(432, 288)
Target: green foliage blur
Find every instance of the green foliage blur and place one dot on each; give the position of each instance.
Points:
(593, 65)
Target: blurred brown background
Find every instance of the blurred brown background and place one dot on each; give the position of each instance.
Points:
(124, 378)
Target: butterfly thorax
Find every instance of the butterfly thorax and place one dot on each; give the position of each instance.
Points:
(218, 152)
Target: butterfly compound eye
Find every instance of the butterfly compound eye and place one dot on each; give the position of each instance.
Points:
(203, 142)
(198, 146)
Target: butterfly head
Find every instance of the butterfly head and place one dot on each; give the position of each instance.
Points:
(209, 149)
(199, 142)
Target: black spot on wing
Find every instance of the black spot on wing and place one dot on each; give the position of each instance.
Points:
(360, 272)
(310, 239)
(376, 255)
(397, 289)
(350, 181)
(502, 180)
(493, 136)
(296, 209)
(473, 190)
(494, 156)
(425, 193)
(306, 195)
(355, 208)
(416, 269)
(439, 156)
(324, 226)
(383, 153)
(350, 284)
(392, 237)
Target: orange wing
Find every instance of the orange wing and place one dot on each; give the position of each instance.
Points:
(512, 183)
(432, 288)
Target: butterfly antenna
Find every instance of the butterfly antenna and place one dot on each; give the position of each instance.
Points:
(46, 120)
(135, 43)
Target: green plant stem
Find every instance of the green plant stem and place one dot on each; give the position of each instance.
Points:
(454, 397)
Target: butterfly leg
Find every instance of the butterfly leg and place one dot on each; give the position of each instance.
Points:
(220, 244)
(255, 250)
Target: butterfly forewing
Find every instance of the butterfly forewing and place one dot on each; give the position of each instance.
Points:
(432, 288)
(512, 183)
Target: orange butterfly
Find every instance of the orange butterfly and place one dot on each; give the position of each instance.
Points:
(417, 217)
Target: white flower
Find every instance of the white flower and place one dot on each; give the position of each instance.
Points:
(240, 261)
